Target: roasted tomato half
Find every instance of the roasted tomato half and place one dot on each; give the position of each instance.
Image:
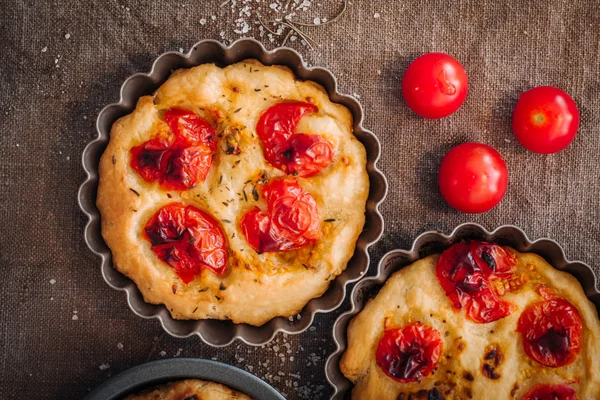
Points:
(410, 353)
(464, 271)
(551, 332)
(180, 159)
(550, 392)
(296, 154)
(187, 239)
(291, 220)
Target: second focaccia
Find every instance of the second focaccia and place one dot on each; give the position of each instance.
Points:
(475, 359)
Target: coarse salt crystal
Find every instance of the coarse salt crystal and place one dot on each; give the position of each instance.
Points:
(317, 21)
(213, 17)
(104, 367)
(202, 21)
(181, 49)
(273, 6)
(162, 353)
(74, 317)
(52, 281)
(120, 346)
(376, 15)
(44, 49)
(68, 36)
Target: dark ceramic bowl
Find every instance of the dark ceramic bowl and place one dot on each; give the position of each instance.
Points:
(154, 373)
(435, 242)
(214, 332)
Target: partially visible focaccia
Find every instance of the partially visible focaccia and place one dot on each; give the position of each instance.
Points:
(414, 294)
(190, 389)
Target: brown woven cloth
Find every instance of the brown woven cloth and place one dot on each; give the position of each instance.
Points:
(64, 330)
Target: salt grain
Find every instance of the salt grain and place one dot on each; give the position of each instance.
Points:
(52, 281)
(44, 49)
(104, 367)
(162, 353)
(202, 21)
(213, 17)
(317, 21)
(376, 15)
(68, 36)
(74, 317)
(120, 346)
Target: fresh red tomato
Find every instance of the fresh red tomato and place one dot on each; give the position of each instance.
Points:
(545, 120)
(292, 219)
(181, 159)
(294, 153)
(551, 332)
(473, 178)
(409, 354)
(464, 271)
(550, 392)
(435, 85)
(187, 239)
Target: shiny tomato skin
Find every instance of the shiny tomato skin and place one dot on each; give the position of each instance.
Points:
(473, 178)
(290, 222)
(435, 85)
(181, 159)
(465, 271)
(188, 240)
(550, 392)
(545, 120)
(551, 332)
(410, 353)
(296, 154)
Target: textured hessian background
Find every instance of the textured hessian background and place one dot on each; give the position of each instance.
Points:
(64, 331)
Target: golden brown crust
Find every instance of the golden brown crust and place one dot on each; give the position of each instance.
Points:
(190, 389)
(257, 287)
(413, 294)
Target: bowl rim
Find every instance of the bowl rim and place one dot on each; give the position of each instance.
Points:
(386, 268)
(87, 191)
(147, 375)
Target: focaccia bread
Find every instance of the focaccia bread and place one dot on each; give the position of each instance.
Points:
(190, 389)
(463, 326)
(233, 193)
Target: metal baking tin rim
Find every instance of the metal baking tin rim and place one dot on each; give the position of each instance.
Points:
(147, 375)
(145, 83)
(547, 248)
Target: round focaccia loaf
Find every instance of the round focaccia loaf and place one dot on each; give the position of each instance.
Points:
(190, 389)
(413, 294)
(255, 287)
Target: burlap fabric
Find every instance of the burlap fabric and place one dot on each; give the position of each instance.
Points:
(63, 330)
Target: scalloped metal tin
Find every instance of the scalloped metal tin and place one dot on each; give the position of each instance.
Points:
(435, 242)
(213, 332)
